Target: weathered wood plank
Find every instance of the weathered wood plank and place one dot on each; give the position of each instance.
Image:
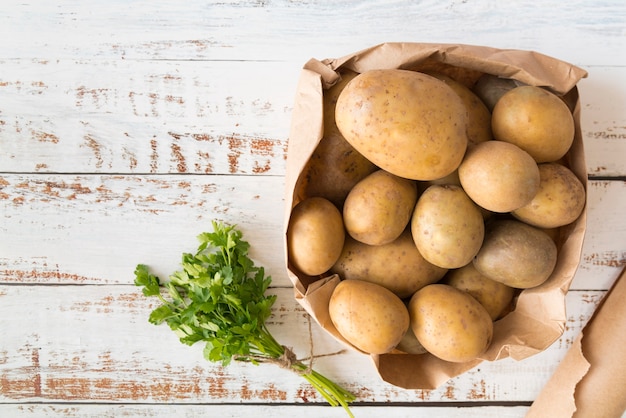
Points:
(578, 31)
(145, 117)
(93, 343)
(202, 117)
(238, 411)
(94, 229)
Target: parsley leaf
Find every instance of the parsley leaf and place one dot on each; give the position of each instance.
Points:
(218, 298)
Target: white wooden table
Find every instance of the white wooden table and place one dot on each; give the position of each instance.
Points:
(127, 126)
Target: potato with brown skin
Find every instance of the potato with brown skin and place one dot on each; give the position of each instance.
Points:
(315, 235)
(397, 266)
(379, 207)
(499, 176)
(559, 201)
(335, 166)
(408, 123)
(479, 116)
(535, 120)
(490, 88)
(449, 323)
(447, 226)
(409, 344)
(496, 297)
(516, 254)
(367, 315)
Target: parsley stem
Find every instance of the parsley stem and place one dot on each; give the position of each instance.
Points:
(333, 393)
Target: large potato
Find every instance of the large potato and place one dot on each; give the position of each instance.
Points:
(315, 235)
(379, 207)
(496, 297)
(499, 176)
(479, 116)
(447, 226)
(335, 166)
(397, 266)
(408, 123)
(449, 323)
(367, 315)
(516, 254)
(535, 120)
(559, 201)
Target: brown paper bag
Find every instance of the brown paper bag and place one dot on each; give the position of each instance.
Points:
(539, 315)
(591, 379)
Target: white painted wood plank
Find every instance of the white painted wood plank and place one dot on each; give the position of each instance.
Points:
(145, 117)
(202, 117)
(265, 411)
(93, 343)
(579, 31)
(94, 229)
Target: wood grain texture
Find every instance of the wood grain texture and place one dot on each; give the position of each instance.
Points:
(103, 332)
(578, 31)
(145, 117)
(238, 411)
(94, 229)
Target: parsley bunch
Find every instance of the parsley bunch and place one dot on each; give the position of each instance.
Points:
(218, 297)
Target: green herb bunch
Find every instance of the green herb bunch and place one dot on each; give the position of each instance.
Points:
(218, 297)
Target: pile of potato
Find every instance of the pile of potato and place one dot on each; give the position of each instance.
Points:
(435, 203)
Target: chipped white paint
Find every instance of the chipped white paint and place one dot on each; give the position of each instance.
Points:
(126, 127)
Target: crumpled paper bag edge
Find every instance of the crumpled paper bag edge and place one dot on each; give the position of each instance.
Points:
(578, 386)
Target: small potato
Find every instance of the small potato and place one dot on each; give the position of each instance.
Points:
(315, 235)
(494, 296)
(447, 226)
(407, 123)
(490, 88)
(450, 323)
(397, 266)
(516, 254)
(410, 345)
(367, 315)
(559, 201)
(379, 207)
(335, 166)
(499, 176)
(479, 116)
(535, 120)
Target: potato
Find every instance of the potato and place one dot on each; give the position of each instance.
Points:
(315, 235)
(499, 176)
(447, 227)
(496, 297)
(535, 120)
(516, 254)
(410, 345)
(335, 166)
(407, 123)
(397, 266)
(491, 88)
(379, 207)
(450, 323)
(559, 201)
(367, 315)
(479, 116)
